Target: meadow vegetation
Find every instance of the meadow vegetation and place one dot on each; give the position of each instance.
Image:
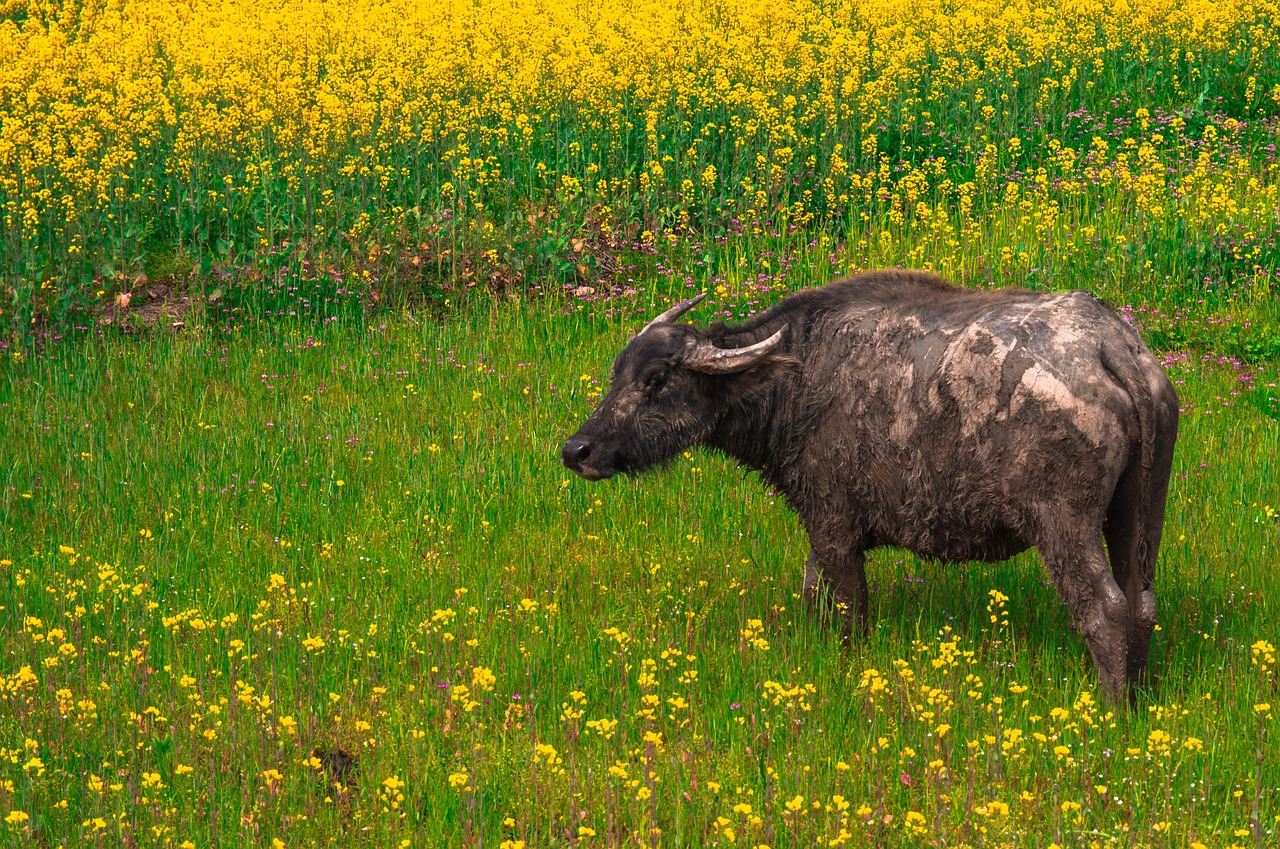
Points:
(309, 572)
(336, 588)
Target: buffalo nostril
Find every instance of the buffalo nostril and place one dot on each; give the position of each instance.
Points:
(574, 453)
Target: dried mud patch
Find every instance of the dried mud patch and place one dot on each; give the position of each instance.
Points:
(151, 304)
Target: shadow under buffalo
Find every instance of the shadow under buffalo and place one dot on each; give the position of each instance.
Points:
(913, 598)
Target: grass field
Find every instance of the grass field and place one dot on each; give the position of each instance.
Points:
(307, 570)
(239, 568)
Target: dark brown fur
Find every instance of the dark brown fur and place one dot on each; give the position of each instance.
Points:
(960, 424)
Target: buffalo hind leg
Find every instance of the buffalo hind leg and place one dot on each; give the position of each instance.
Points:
(1135, 523)
(1131, 547)
(1079, 567)
(845, 581)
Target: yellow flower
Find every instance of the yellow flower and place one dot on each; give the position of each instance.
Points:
(546, 753)
(604, 727)
(483, 678)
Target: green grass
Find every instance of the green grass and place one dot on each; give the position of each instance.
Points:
(403, 482)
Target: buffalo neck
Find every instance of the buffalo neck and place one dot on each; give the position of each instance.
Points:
(770, 430)
(761, 431)
(748, 430)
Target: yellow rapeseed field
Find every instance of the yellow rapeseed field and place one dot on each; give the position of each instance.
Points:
(131, 130)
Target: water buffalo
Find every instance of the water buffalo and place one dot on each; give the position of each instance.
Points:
(891, 408)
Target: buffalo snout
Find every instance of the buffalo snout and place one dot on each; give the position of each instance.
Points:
(576, 454)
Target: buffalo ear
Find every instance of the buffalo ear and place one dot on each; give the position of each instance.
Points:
(758, 378)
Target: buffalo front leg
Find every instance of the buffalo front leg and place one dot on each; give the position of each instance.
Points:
(840, 582)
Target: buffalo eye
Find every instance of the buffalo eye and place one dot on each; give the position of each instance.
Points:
(655, 381)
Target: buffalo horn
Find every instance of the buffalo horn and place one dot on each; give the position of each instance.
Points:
(709, 359)
(675, 312)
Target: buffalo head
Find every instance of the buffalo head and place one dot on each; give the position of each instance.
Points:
(670, 389)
